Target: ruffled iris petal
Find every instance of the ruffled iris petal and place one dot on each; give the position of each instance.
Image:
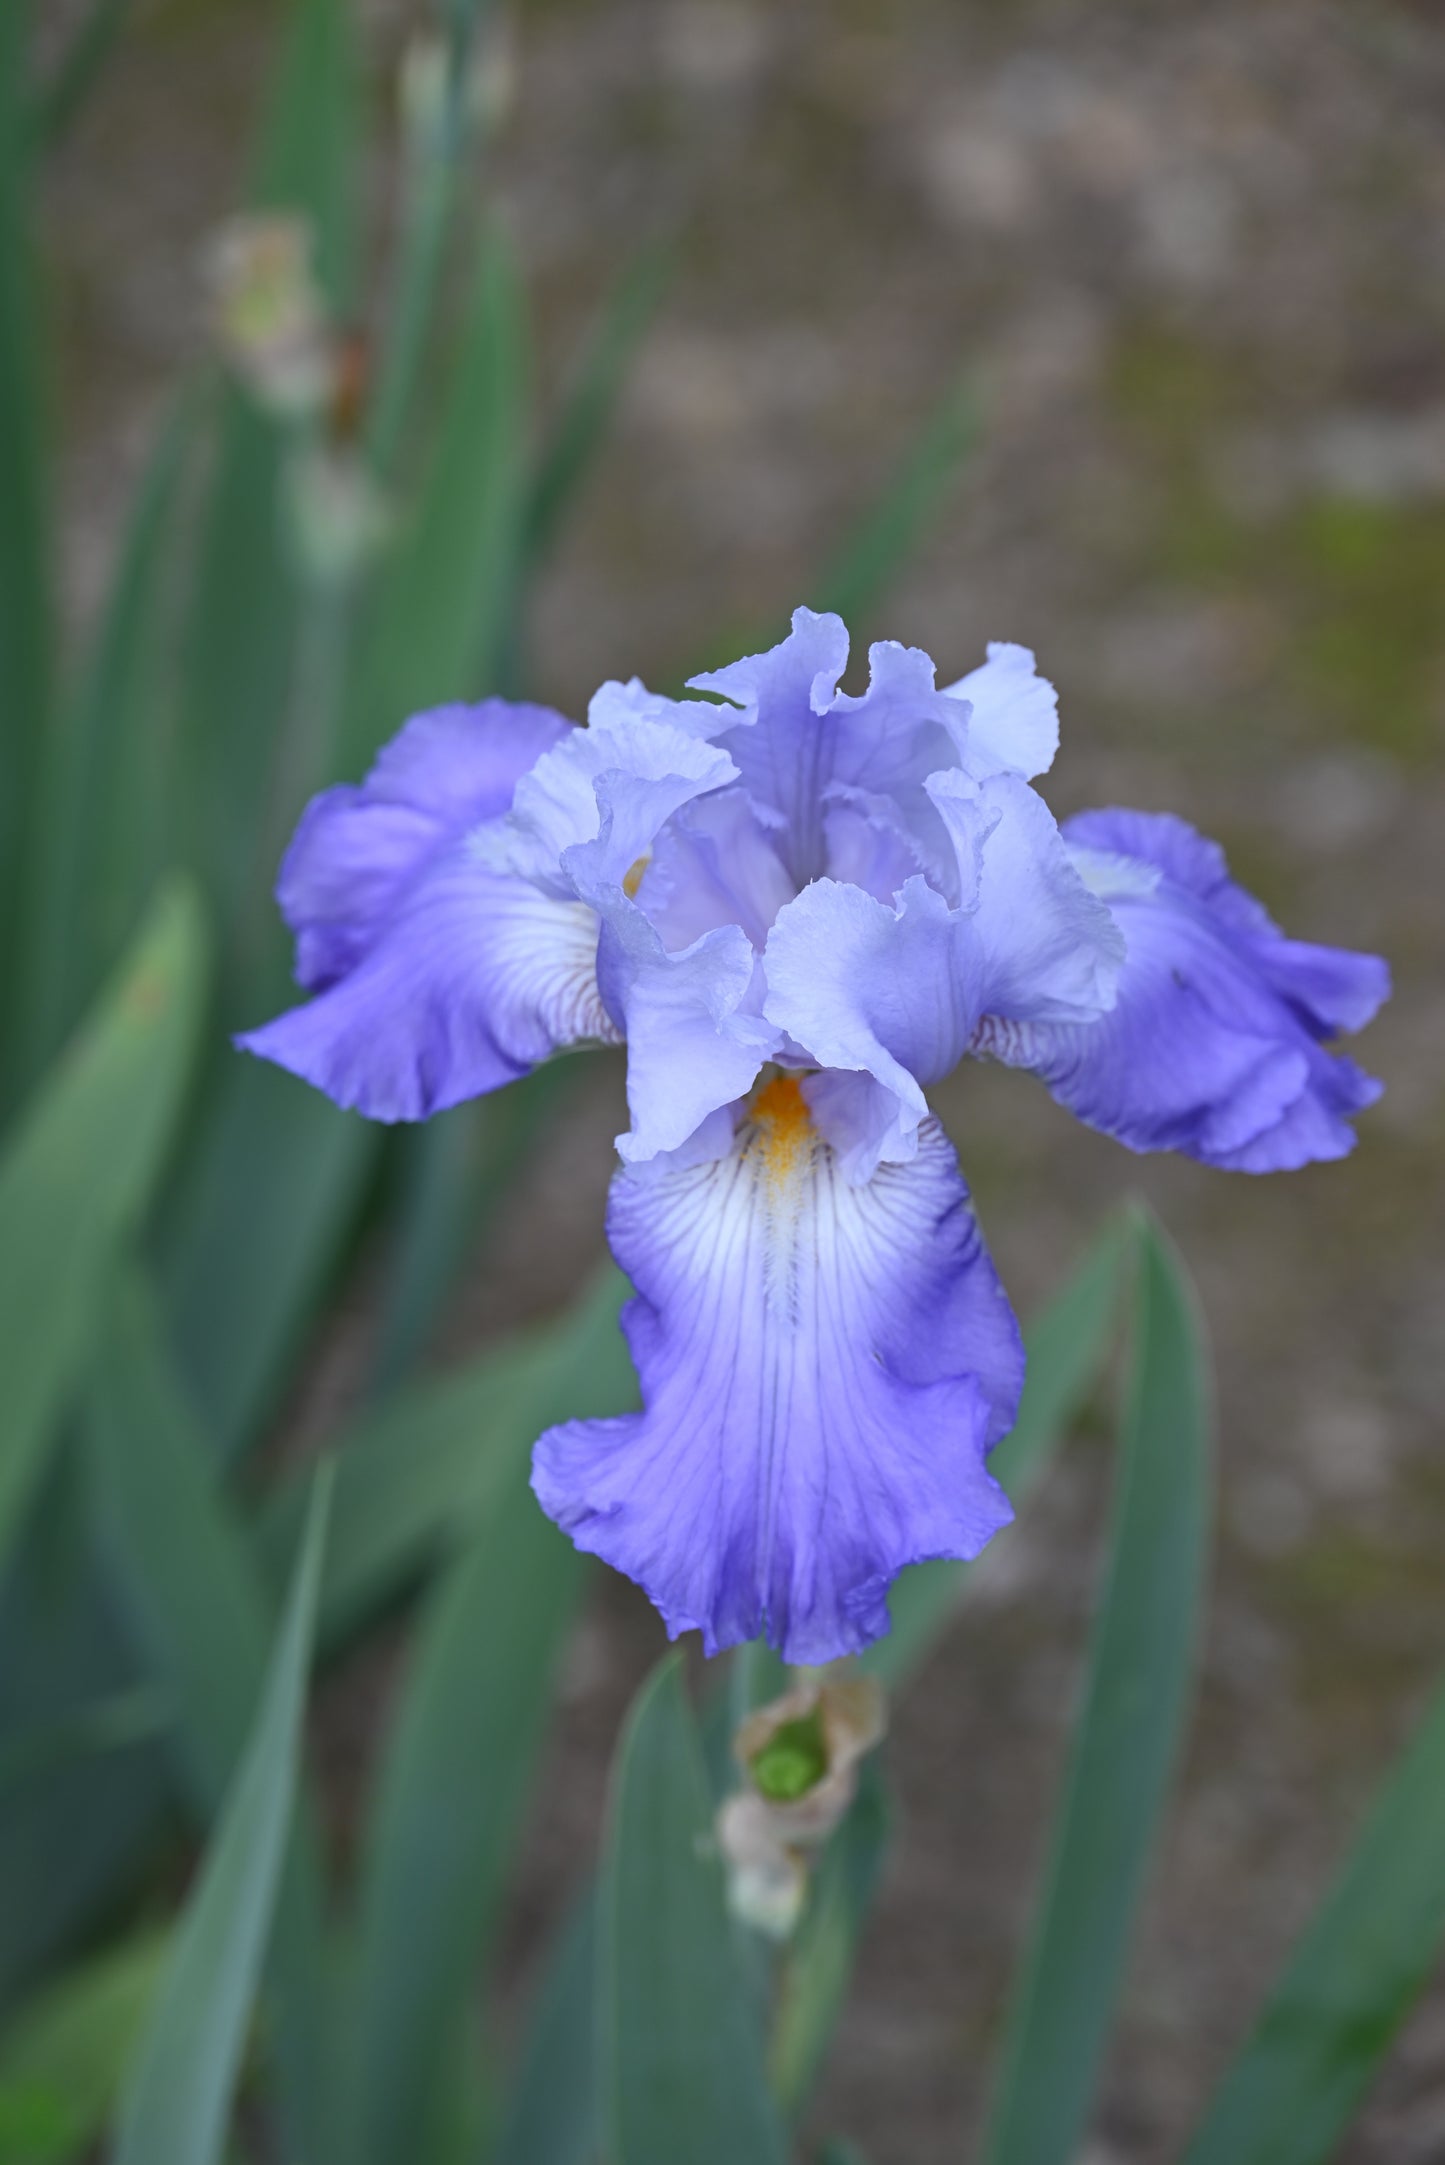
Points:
(592, 805)
(824, 1369)
(475, 978)
(895, 990)
(695, 1038)
(1049, 949)
(1213, 1046)
(462, 764)
(716, 864)
(888, 990)
(1333, 988)
(783, 742)
(356, 850)
(1014, 724)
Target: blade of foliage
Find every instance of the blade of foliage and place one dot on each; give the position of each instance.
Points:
(1140, 1668)
(308, 156)
(180, 2087)
(275, 1172)
(439, 130)
(178, 1556)
(79, 68)
(1359, 1969)
(463, 19)
(819, 1962)
(586, 412)
(455, 1773)
(885, 539)
(447, 1811)
(243, 614)
(110, 1724)
(682, 2061)
(421, 1472)
(551, 2115)
(69, 1825)
(1067, 1345)
(268, 1199)
(25, 590)
(76, 1177)
(200, 1616)
(443, 599)
(106, 829)
(236, 659)
(457, 1169)
(62, 2059)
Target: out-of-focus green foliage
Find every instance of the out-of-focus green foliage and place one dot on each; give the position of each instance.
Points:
(1141, 1666)
(75, 1178)
(63, 2061)
(1358, 1970)
(175, 1223)
(813, 1987)
(682, 2063)
(177, 2098)
(1066, 1346)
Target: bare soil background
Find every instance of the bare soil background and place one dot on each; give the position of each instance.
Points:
(1195, 259)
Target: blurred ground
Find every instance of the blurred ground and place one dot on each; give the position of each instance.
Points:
(1196, 259)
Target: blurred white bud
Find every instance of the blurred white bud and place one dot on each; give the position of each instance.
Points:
(429, 107)
(767, 1881)
(492, 79)
(338, 517)
(270, 317)
(425, 91)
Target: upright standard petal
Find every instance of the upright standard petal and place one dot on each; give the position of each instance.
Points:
(716, 863)
(1214, 1046)
(695, 1040)
(783, 741)
(592, 805)
(894, 991)
(889, 991)
(1013, 727)
(824, 1369)
(1049, 949)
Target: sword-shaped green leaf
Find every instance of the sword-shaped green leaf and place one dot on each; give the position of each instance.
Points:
(104, 819)
(443, 598)
(818, 1966)
(75, 1178)
(1140, 1671)
(886, 537)
(199, 1613)
(63, 2057)
(551, 2112)
(682, 2061)
(26, 599)
(447, 1812)
(181, 2084)
(417, 1477)
(1361, 1965)
(1067, 1344)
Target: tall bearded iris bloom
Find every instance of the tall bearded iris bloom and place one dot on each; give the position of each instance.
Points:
(798, 908)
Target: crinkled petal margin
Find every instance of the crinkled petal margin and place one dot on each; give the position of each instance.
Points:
(475, 979)
(824, 1369)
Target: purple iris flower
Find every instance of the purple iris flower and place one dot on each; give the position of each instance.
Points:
(798, 908)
